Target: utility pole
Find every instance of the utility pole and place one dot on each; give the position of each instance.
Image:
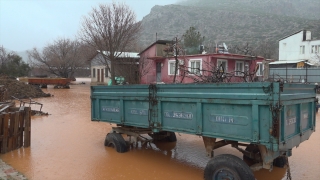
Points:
(176, 58)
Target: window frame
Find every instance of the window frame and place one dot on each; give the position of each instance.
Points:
(258, 72)
(93, 72)
(302, 49)
(200, 66)
(223, 60)
(235, 68)
(172, 62)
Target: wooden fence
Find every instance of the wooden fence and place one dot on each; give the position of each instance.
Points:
(15, 128)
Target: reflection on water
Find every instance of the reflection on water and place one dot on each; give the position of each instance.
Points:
(67, 145)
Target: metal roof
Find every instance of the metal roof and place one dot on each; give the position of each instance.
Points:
(126, 54)
(290, 62)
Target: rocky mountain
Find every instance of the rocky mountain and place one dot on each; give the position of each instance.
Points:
(233, 22)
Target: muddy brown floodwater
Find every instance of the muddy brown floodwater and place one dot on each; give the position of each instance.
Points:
(68, 145)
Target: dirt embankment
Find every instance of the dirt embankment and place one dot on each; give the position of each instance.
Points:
(11, 87)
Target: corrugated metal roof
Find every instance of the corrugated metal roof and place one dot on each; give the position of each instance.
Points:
(290, 62)
(126, 54)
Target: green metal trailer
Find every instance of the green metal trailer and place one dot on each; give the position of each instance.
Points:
(263, 120)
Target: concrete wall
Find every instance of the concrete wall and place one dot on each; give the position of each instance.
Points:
(97, 67)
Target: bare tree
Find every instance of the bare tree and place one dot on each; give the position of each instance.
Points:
(145, 65)
(315, 59)
(266, 49)
(244, 49)
(175, 49)
(110, 29)
(61, 58)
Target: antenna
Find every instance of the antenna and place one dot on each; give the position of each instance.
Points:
(225, 46)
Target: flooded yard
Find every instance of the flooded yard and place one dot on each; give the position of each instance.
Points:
(67, 145)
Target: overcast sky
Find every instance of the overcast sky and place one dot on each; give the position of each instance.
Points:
(25, 24)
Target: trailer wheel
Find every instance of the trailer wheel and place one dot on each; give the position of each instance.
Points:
(227, 166)
(172, 137)
(280, 161)
(116, 141)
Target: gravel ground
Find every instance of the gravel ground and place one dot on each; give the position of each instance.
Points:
(8, 173)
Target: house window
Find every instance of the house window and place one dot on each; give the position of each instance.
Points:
(260, 70)
(171, 67)
(94, 72)
(223, 65)
(239, 68)
(195, 66)
(301, 49)
(106, 72)
(315, 48)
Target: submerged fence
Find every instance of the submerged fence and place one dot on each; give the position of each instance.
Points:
(15, 128)
(305, 75)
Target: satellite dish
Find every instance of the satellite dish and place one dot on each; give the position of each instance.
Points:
(225, 46)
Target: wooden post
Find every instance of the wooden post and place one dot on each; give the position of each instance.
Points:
(27, 128)
(5, 133)
(10, 133)
(1, 130)
(16, 131)
(21, 126)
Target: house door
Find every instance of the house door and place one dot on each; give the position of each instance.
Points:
(102, 75)
(158, 70)
(98, 75)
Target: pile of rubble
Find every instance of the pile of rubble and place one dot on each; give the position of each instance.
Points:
(10, 88)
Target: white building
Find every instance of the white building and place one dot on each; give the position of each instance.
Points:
(299, 46)
(100, 74)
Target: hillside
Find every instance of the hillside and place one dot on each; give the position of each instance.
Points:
(307, 9)
(233, 24)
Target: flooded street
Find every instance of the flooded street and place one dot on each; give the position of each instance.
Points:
(68, 145)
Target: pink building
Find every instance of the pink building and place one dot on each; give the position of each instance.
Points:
(158, 67)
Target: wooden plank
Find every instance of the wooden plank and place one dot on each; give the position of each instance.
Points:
(1, 130)
(16, 131)
(21, 108)
(4, 108)
(27, 128)
(10, 132)
(21, 128)
(5, 134)
(13, 109)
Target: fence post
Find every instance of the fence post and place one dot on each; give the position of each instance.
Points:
(27, 128)
(5, 133)
(21, 126)
(10, 134)
(1, 130)
(16, 131)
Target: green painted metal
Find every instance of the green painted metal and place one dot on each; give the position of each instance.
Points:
(279, 116)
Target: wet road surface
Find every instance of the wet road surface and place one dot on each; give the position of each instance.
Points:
(67, 145)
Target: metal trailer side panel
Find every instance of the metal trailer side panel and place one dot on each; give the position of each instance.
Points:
(258, 113)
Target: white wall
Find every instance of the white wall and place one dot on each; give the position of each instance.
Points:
(289, 48)
(94, 78)
(96, 64)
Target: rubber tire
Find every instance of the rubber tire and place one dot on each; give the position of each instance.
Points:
(116, 140)
(280, 161)
(251, 148)
(156, 136)
(233, 165)
(172, 137)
